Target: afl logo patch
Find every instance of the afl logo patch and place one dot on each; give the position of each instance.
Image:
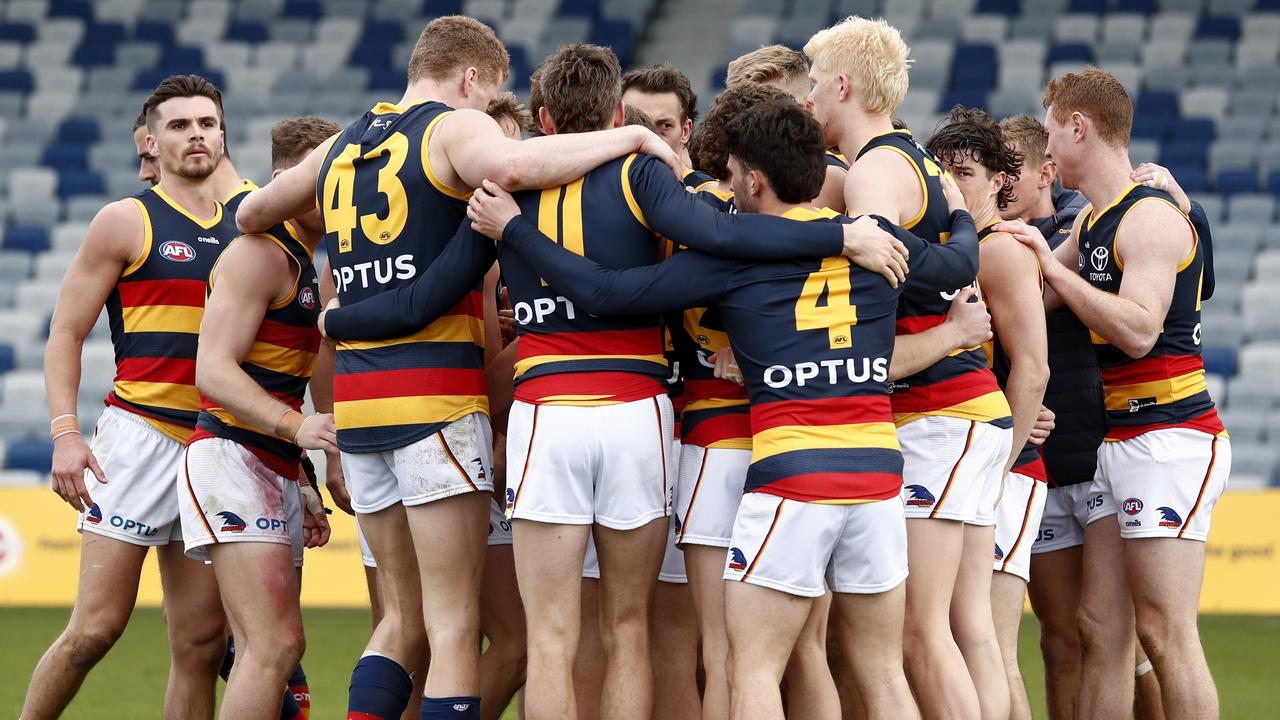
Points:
(1099, 258)
(307, 298)
(177, 251)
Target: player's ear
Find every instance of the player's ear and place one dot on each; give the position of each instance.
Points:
(846, 87)
(470, 77)
(1048, 173)
(619, 115)
(545, 122)
(276, 173)
(152, 146)
(687, 133)
(1079, 125)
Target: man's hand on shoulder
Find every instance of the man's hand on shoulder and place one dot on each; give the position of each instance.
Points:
(868, 246)
(651, 144)
(491, 208)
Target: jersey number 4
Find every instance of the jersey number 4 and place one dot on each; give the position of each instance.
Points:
(340, 212)
(837, 315)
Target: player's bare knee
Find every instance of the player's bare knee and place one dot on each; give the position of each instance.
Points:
(86, 646)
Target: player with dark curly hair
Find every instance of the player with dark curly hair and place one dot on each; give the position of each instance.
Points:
(972, 148)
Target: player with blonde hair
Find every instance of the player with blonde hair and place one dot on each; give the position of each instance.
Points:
(953, 421)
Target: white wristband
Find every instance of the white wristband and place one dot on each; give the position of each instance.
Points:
(1143, 669)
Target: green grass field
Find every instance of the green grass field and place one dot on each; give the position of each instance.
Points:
(1244, 653)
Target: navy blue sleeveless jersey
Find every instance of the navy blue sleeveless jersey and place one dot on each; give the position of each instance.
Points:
(961, 384)
(1166, 388)
(814, 338)
(155, 308)
(387, 217)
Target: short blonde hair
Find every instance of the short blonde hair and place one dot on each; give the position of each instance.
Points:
(871, 54)
(770, 64)
(1027, 135)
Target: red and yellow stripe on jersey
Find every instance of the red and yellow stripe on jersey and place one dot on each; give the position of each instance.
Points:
(1166, 388)
(387, 216)
(413, 384)
(154, 312)
(852, 433)
(280, 360)
(716, 412)
(567, 356)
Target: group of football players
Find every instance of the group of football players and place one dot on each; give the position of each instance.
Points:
(779, 417)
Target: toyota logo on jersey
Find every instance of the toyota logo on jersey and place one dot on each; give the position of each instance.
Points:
(177, 251)
(1099, 258)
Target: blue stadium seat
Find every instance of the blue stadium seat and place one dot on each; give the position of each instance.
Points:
(998, 7)
(1141, 7)
(374, 56)
(156, 31)
(79, 130)
(80, 182)
(617, 34)
(30, 454)
(1192, 130)
(17, 81)
(972, 98)
(520, 69)
(1234, 182)
(1069, 52)
(1192, 178)
(1155, 111)
(1227, 27)
(65, 157)
(1273, 182)
(302, 10)
(974, 69)
(248, 31)
(1266, 6)
(17, 32)
(437, 8)
(1090, 7)
(386, 78)
(27, 238)
(182, 58)
(82, 9)
(8, 358)
(579, 8)
(1220, 360)
(383, 32)
(1182, 153)
(93, 53)
(114, 32)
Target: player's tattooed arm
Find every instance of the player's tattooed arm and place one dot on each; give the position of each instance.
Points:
(250, 276)
(291, 194)
(114, 242)
(456, 271)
